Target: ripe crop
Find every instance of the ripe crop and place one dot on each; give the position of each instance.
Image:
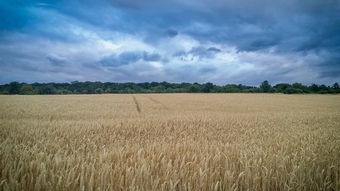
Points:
(170, 142)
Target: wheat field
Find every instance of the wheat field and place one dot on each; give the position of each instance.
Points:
(170, 142)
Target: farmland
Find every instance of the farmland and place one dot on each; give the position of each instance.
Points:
(170, 142)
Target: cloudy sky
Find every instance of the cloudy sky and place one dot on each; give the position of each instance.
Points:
(219, 41)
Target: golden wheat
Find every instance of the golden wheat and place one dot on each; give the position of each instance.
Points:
(170, 142)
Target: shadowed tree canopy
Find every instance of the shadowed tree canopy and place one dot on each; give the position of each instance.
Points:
(265, 86)
(160, 87)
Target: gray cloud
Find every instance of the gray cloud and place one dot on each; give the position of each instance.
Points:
(171, 33)
(233, 40)
(199, 52)
(55, 61)
(214, 49)
(126, 58)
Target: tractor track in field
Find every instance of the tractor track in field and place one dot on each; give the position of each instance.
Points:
(137, 104)
(158, 102)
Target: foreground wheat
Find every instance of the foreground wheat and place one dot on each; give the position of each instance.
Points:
(170, 142)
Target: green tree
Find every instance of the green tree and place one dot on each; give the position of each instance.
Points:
(282, 87)
(26, 89)
(265, 86)
(314, 88)
(230, 88)
(207, 87)
(292, 90)
(324, 89)
(194, 88)
(47, 89)
(301, 87)
(14, 88)
(99, 91)
(161, 87)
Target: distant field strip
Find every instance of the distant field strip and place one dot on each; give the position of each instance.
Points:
(137, 104)
(205, 142)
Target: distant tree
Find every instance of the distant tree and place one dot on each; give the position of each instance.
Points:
(301, 87)
(314, 88)
(297, 86)
(26, 89)
(265, 86)
(74, 82)
(99, 91)
(14, 88)
(324, 89)
(165, 84)
(282, 87)
(160, 87)
(194, 88)
(63, 91)
(48, 89)
(153, 84)
(4, 91)
(231, 88)
(207, 87)
(292, 90)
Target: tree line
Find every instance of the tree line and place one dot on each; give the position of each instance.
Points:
(161, 87)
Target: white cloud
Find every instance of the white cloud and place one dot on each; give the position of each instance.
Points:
(169, 46)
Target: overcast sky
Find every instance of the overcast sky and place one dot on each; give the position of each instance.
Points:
(219, 41)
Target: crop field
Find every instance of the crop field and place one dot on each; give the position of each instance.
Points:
(170, 142)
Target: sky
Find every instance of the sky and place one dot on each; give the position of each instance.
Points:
(218, 41)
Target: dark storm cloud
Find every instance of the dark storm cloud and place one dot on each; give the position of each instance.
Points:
(128, 58)
(330, 67)
(214, 49)
(205, 70)
(171, 33)
(55, 61)
(200, 52)
(289, 36)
